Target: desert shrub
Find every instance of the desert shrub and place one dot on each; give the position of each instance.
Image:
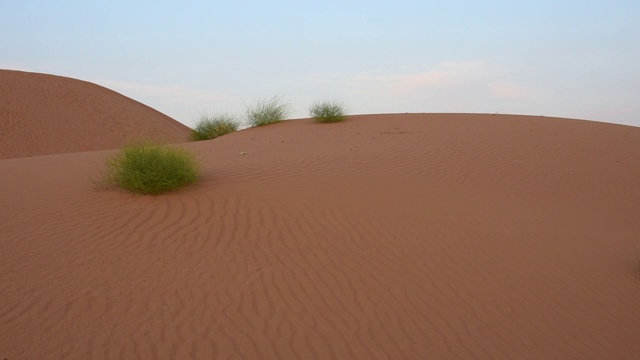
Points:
(211, 127)
(149, 168)
(265, 112)
(328, 111)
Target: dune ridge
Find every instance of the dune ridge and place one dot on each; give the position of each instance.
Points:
(402, 236)
(47, 114)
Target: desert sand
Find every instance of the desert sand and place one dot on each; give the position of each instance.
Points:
(45, 114)
(405, 236)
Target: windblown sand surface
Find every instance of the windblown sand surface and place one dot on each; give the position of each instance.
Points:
(45, 114)
(419, 236)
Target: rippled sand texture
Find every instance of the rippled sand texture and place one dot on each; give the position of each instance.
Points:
(414, 236)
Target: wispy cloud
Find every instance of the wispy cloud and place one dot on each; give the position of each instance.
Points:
(169, 93)
(445, 74)
(620, 113)
(177, 101)
(476, 85)
(510, 90)
(322, 78)
(11, 66)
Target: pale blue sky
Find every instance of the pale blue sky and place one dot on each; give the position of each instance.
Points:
(577, 59)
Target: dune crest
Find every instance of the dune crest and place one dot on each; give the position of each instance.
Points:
(46, 114)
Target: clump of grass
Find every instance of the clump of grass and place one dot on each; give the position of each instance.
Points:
(211, 127)
(151, 169)
(328, 111)
(266, 112)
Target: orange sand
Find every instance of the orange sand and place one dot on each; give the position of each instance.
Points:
(46, 114)
(414, 236)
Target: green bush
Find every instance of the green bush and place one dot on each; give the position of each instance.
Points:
(151, 169)
(211, 127)
(266, 112)
(328, 111)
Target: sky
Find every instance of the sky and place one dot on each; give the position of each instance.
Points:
(574, 59)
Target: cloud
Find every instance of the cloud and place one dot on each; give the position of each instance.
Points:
(445, 74)
(322, 78)
(509, 90)
(179, 102)
(169, 93)
(449, 74)
(11, 66)
(620, 113)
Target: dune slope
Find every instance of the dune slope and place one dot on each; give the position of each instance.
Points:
(44, 114)
(418, 236)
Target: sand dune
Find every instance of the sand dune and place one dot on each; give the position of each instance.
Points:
(417, 236)
(46, 114)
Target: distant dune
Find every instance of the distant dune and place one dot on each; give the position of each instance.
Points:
(46, 114)
(413, 236)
